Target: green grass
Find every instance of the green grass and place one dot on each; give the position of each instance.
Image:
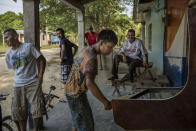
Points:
(50, 46)
(5, 48)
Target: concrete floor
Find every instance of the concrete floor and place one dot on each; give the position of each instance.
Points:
(60, 117)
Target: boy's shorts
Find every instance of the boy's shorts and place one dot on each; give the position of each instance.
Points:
(81, 112)
(65, 70)
(31, 94)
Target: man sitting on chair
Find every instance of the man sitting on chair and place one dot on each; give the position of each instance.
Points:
(131, 53)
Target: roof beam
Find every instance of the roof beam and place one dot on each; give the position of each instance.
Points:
(144, 1)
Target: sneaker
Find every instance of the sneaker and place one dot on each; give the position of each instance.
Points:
(113, 77)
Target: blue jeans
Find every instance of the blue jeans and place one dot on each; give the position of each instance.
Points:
(81, 112)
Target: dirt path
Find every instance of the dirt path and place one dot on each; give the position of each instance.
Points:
(51, 77)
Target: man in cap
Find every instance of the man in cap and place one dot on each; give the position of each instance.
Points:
(91, 38)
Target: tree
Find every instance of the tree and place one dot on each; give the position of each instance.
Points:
(10, 20)
(121, 24)
(55, 14)
(100, 14)
(103, 14)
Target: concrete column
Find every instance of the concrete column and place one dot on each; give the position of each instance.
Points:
(41, 37)
(3, 39)
(31, 22)
(80, 29)
(143, 32)
(80, 12)
(31, 29)
(46, 40)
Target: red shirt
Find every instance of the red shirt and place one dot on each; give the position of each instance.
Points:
(91, 38)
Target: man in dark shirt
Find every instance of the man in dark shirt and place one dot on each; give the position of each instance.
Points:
(66, 55)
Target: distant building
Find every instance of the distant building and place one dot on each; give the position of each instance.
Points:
(54, 40)
(48, 39)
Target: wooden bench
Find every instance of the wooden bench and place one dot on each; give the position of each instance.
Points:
(145, 70)
(122, 81)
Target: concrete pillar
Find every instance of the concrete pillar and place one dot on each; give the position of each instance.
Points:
(46, 38)
(31, 22)
(143, 32)
(31, 29)
(80, 29)
(41, 37)
(3, 39)
(80, 12)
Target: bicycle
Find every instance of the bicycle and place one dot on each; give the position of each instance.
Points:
(48, 97)
(6, 122)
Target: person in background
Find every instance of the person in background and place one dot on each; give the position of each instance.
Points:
(132, 52)
(29, 66)
(91, 38)
(66, 56)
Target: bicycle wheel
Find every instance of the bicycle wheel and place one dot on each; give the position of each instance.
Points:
(13, 124)
(6, 127)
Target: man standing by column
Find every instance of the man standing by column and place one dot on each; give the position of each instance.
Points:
(24, 59)
(66, 56)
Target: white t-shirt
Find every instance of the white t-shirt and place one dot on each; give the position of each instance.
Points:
(134, 50)
(23, 62)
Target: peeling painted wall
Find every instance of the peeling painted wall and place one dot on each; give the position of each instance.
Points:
(175, 58)
(158, 30)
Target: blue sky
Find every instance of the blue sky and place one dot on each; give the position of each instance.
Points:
(128, 10)
(10, 5)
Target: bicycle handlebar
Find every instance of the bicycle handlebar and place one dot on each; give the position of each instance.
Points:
(52, 87)
(2, 98)
(55, 96)
(2, 95)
